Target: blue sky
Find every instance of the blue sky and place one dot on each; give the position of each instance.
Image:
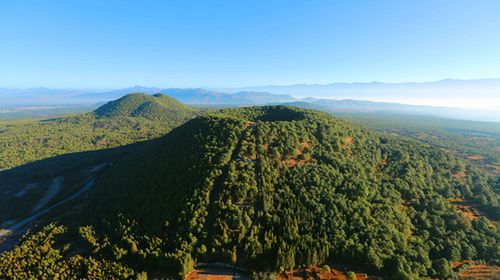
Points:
(111, 44)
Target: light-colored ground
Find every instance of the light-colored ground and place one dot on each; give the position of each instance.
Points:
(316, 272)
(215, 274)
(22, 223)
(26, 189)
(480, 272)
(52, 191)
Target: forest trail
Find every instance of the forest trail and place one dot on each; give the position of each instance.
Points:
(35, 216)
(217, 188)
(259, 203)
(52, 191)
(258, 171)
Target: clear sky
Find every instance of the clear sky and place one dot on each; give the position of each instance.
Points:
(111, 44)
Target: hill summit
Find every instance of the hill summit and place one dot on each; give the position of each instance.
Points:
(273, 188)
(153, 107)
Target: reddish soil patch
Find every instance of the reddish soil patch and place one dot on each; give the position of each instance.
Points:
(213, 274)
(465, 208)
(469, 210)
(459, 175)
(251, 124)
(102, 142)
(456, 264)
(299, 159)
(479, 272)
(497, 148)
(348, 141)
(474, 157)
(423, 136)
(300, 150)
(293, 161)
(318, 273)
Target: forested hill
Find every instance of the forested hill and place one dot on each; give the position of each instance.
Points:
(154, 107)
(272, 188)
(132, 118)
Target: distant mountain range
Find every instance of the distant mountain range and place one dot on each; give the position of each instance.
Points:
(446, 94)
(362, 106)
(36, 96)
(449, 88)
(185, 95)
(197, 95)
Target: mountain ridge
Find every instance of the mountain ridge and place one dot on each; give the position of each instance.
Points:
(199, 96)
(443, 98)
(487, 89)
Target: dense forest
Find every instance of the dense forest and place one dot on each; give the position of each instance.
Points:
(478, 142)
(272, 188)
(132, 118)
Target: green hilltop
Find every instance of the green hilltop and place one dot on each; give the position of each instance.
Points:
(132, 118)
(154, 107)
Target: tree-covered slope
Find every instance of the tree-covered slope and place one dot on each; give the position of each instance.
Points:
(272, 188)
(132, 118)
(279, 187)
(154, 107)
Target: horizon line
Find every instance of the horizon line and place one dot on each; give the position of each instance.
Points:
(249, 86)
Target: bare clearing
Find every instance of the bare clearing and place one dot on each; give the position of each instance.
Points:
(316, 272)
(475, 157)
(470, 271)
(52, 191)
(459, 175)
(26, 189)
(301, 156)
(469, 210)
(212, 273)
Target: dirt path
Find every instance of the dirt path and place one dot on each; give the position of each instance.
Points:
(52, 190)
(35, 216)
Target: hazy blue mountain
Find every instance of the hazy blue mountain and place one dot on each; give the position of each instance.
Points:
(202, 96)
(45, 96)
(37, 96)
(40, 91)
(363, 106)
(449, 88)
(444, 95)
(195, 96)
(115, 94)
